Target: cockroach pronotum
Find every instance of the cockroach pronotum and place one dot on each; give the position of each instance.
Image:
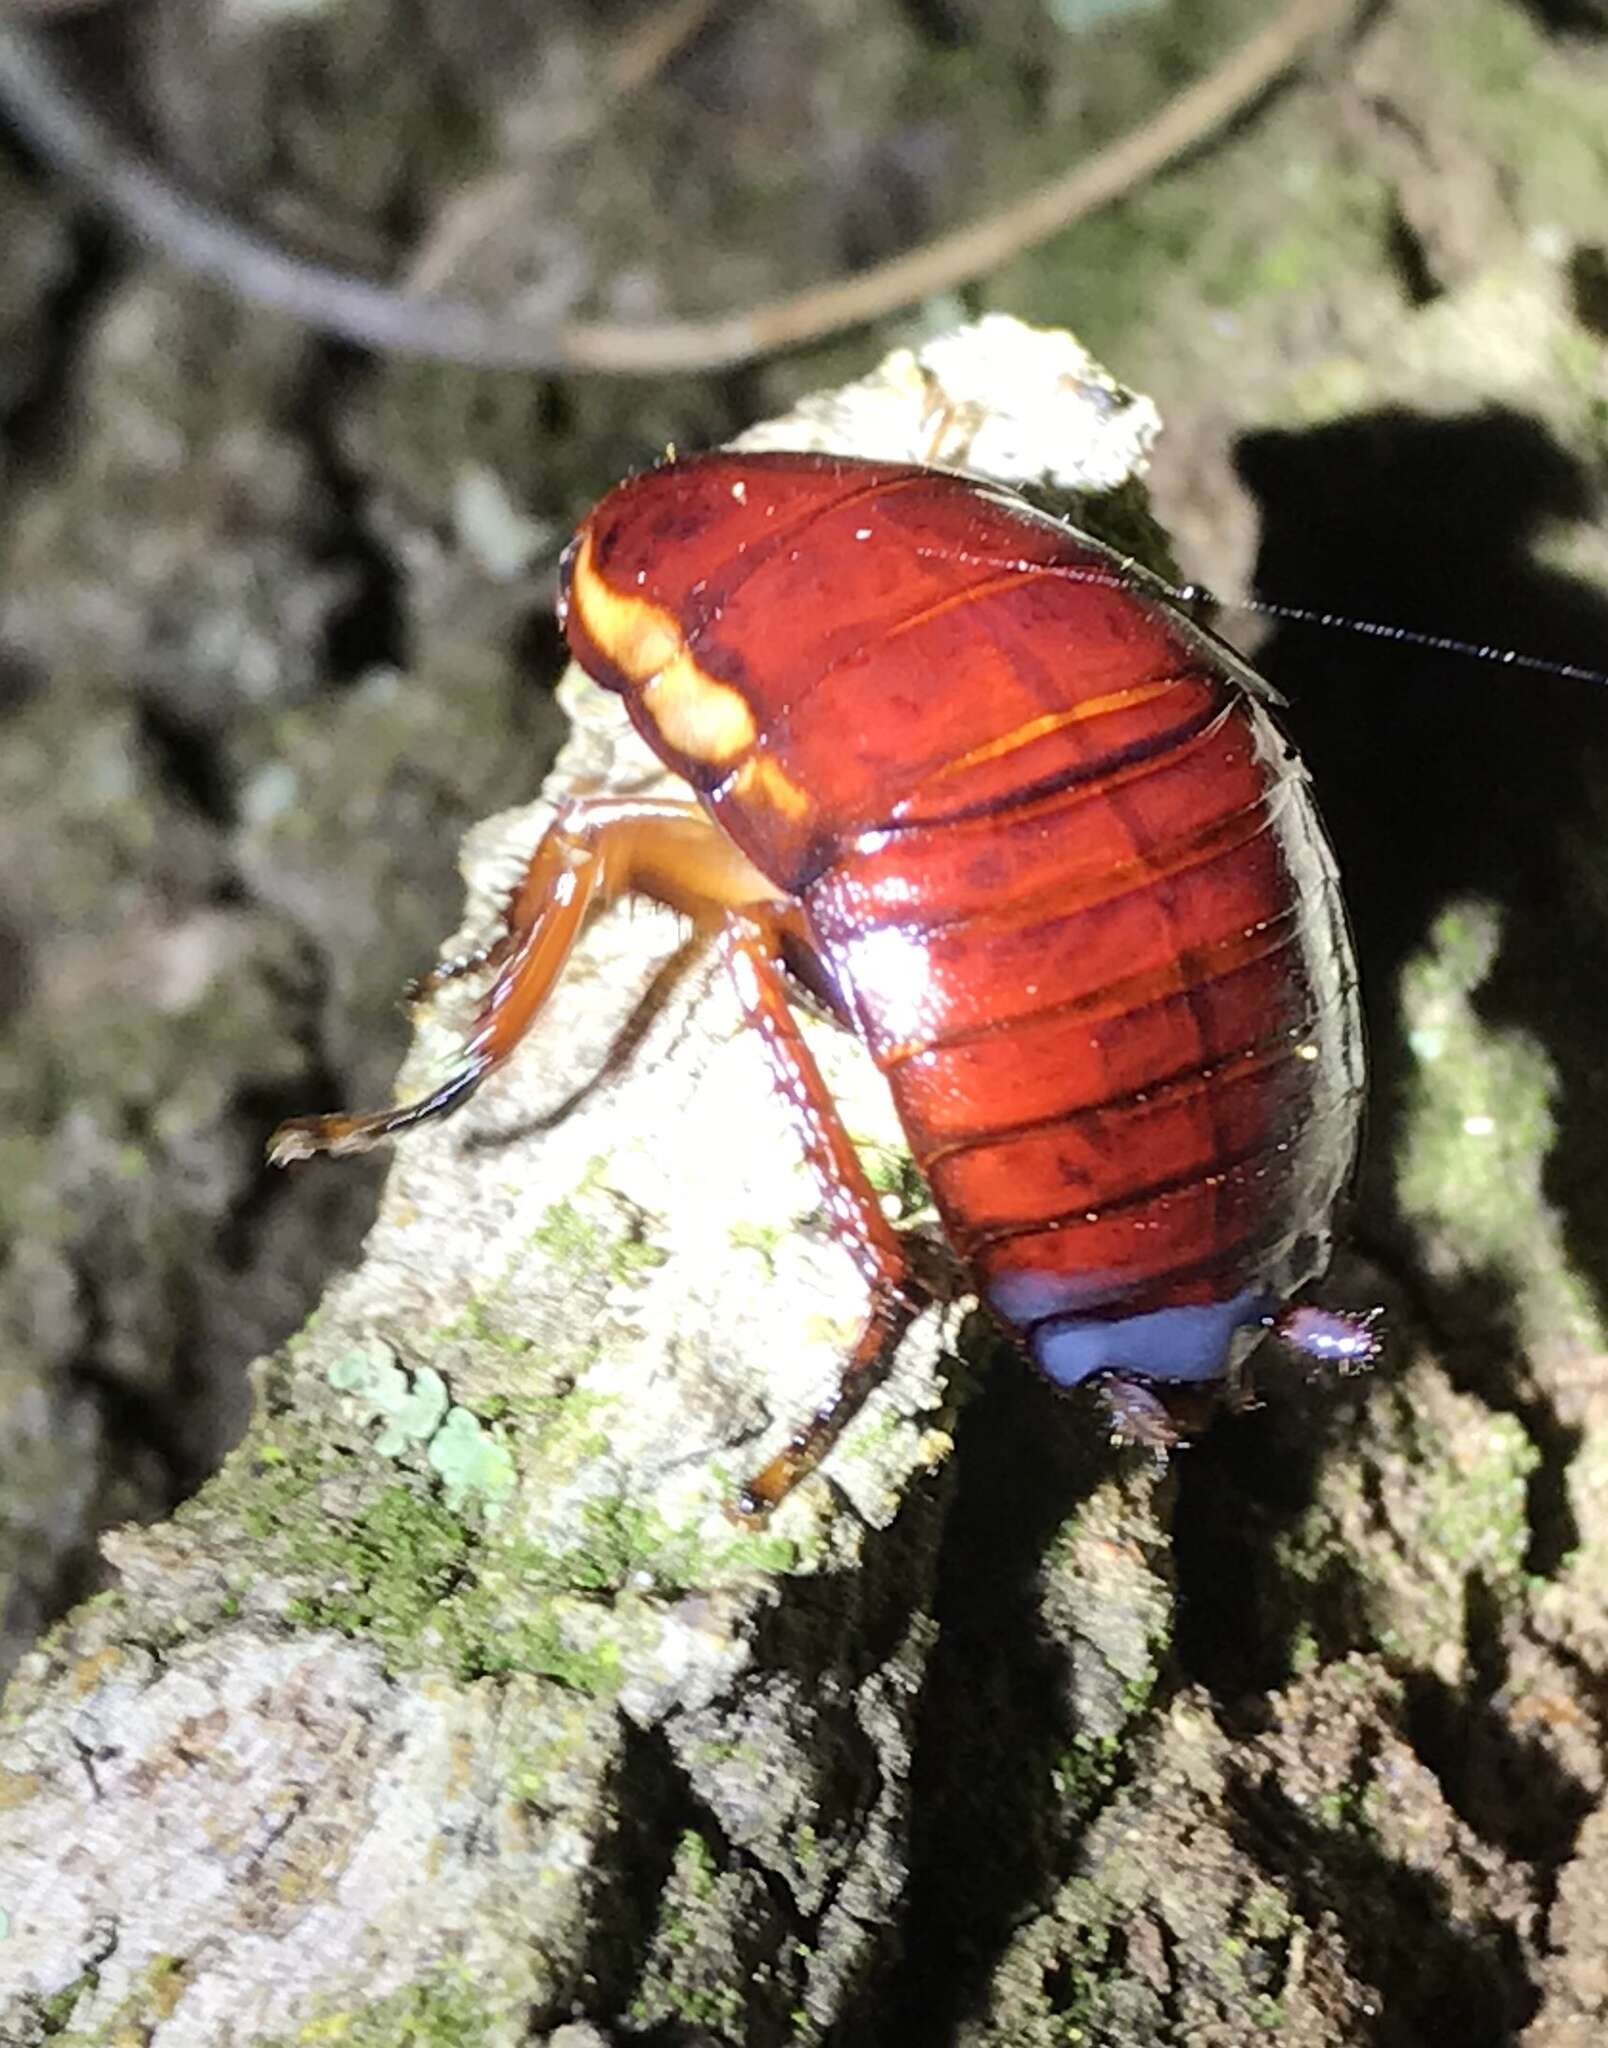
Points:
(994, 797)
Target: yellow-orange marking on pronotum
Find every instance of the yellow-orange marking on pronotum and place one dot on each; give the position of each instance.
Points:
(704, 719)
(635, 634)
(707, 720)
(768, 781)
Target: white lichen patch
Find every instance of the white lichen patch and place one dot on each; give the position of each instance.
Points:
(1019, 404)
(258, 1814)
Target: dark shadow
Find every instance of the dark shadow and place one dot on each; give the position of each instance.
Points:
(1442, 777)
(1240, 1615)
(988, 1825)
(1445, 1982)
(1511, 1791)
(16, 968)
(368, 628)
(851, 1626)
(653, 1806)
(1588, 287)
(1574, 17)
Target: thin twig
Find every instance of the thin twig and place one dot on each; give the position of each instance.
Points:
(72, 136)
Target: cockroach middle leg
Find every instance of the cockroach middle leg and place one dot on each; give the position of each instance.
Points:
(753, 945)
(596, 850)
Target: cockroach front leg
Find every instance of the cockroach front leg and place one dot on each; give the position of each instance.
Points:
(753, 945)
(597, 849)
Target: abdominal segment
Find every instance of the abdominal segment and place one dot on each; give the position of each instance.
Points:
(1133, 1083)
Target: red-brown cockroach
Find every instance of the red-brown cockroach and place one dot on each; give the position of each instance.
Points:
(1032, 833)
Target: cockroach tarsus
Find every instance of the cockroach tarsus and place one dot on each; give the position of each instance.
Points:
(1015, 817)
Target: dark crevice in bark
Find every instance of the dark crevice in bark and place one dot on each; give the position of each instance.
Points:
(1411, 261)
(368, 628)
(35, 425)
(189, 759)
(995, 1719)
(1588, 287)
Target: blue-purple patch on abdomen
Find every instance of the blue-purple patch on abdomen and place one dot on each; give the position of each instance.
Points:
(1192, 1342)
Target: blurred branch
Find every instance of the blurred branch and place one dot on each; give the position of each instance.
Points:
(72, 136)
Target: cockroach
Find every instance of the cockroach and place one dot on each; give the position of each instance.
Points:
(1001, 802)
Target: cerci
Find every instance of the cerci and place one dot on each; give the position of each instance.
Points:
(1035, 836)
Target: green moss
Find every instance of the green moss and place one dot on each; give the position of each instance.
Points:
(487, 1645)
(1384, 1557)
(1342, 1812)
(1266, 1915)
(55, 2012)
(408, 1575)
(692, 1976)
(446, 2011)
(481, 1325)
(1476, 1508)
(150, 2001)
(569, 1238)
(1477, 1128)
(1084, 1965)
(763, 1239)
(1085, 1773)
(624, 1546)
(891, 1171)
(583, 1232)
(1323, 224)
(268, 1483)
(695, 1863)
(397, 1563)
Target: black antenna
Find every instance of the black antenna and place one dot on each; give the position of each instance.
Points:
(1202, 603)
(1403, 636)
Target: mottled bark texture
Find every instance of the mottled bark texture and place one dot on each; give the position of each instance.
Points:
(451, 1711)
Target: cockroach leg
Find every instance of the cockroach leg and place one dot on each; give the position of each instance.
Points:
(1137, 1414)
(597, 849)
(754, 944)
(864, 1370)
(492, 953)
(1348, 1342)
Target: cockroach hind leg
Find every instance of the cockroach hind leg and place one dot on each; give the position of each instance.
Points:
(1344, 1341)
(864, 1370)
